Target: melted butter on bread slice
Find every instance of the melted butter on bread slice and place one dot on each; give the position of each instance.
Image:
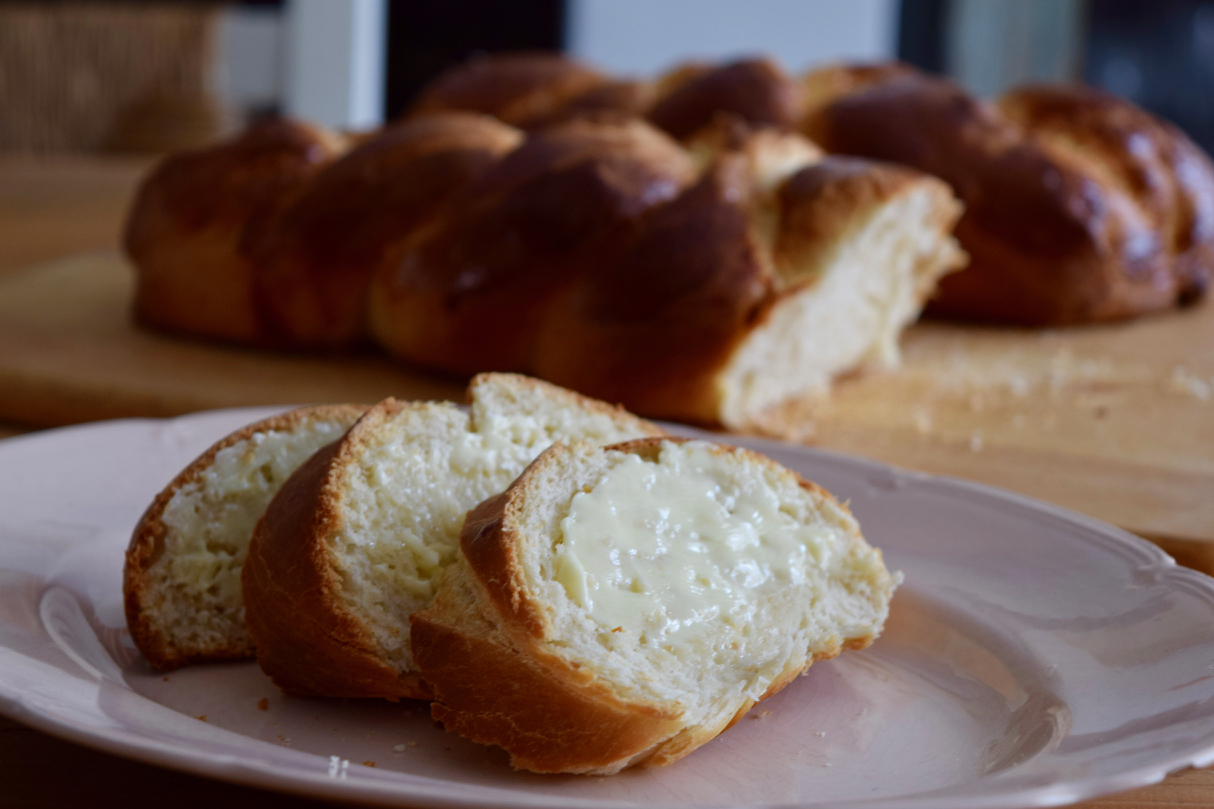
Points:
(624, 605)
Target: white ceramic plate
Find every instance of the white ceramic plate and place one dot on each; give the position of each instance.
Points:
(1033, 657)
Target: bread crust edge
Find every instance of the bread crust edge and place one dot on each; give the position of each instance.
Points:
(147, 541)
(307, 642)
(478, 652)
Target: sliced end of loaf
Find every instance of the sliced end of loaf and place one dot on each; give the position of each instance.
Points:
(859, 247)
(584, 681)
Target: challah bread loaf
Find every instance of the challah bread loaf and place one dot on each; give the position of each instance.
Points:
(314, 259)
(745, 289)
(359, 537)
(469, 292)
(476, 239)
(622, 606)
(189, 218)
(760, 283)
(1080, 207)
(181, 584)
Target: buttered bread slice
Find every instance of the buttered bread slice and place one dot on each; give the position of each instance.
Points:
(182, 579)
(624, 605)
(359, 538)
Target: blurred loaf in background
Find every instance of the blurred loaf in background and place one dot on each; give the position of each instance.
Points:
(706, 280)
(1080, 206)
(664, 233)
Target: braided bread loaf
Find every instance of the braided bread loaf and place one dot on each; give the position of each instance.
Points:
(186, 229)
(1080, 207)
(705, 280)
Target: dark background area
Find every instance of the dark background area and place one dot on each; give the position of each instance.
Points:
(1159, 55)
(426, 36)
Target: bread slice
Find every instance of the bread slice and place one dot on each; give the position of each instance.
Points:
(776, 272)
(182, 577)
(358, 539)
(624, 605)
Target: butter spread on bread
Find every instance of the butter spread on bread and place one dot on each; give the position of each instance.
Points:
(622, 606)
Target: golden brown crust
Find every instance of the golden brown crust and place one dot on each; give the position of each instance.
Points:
(757, 91)
(185, 228)
(147, 543)
(1168, 176)
(1062, 223)
(822, 86)
(314, 260)
(661, 311)
(610, 101)
(481, 647)
(307, 642)
(623, 419)
(822, 203)
(569, 730)
(469, 293)
(661, 308)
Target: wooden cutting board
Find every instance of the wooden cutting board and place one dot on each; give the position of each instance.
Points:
(1116, 422)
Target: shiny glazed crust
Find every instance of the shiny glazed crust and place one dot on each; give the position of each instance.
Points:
(314, 259)
(185, 229)
(482, 649)
(469, 294)
(659, 315)
(147, 543)
(522, 89)
(755, 91)
(595, 251)
(1080, 207)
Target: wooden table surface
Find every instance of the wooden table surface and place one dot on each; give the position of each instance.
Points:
(55, 207)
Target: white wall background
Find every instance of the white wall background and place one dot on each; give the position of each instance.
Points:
(250, 63)
(335, 54)
(642, 37)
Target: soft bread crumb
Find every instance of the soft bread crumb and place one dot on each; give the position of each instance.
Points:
(377, 515)
(418, 477)
(182, 581)
(672, 679)
(861, 296)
